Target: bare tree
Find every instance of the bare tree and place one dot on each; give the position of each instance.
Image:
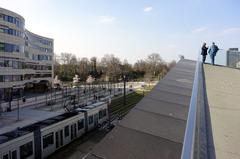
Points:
(66, 57)
(67, 65)
(154, 60)
(111, 64)
(83, 68)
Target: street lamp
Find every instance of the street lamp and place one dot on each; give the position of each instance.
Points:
(20, 96)
(124, 90)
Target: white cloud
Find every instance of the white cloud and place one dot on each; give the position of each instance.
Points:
(148, 9)
(199, 30)
(106, 19)
(233, 30)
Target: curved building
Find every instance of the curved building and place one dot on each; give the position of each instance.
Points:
(26, 59)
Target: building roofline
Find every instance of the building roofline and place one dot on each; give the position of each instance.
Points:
(26, 30)
(12, 13)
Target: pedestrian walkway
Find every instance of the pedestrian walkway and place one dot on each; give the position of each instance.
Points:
(223, 92)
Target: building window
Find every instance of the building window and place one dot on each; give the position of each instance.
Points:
(5, 47)
(15, 64)
(2, 47)
(26, 54)
(1, 16)
(80, 124)
(90, 120)
(7, 63)
(1, 62)
(8, 78)
(3, 29)
(66, 131)
(16, 78)
(48, 67)
(13, 20)
(47, 140)
(26, 150)
(1, 78)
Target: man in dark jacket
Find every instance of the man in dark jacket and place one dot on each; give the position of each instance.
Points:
(204, 52)
(213, 52)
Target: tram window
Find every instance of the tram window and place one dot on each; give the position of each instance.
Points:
(66, 131)
(26, 150)
(102, 113)
(47, 140)
(5, 156)
(80, 124)
(90, 119)
(14, 154)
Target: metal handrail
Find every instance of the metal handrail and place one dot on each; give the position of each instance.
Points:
(189, 137)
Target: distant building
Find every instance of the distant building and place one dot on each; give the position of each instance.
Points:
(238, 64)
(233, 57)
(26, 59)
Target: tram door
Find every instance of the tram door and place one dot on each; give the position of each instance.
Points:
(59, 138)
(95, 120)
(73, 131)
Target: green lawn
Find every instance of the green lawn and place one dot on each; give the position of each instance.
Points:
(117, 108)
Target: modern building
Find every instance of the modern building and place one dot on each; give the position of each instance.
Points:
(26, 59)
(233, 57)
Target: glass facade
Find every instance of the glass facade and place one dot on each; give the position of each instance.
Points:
(6, 47)
(11, 78)
(11, 62)
(44, 57)
(37, 47)
(7, 30)
(38, 67)
(39, 57)
(35, 39)
(19, 23)
(15, 78)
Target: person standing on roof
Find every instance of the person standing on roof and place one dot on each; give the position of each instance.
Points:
(212, 52)
(204, 52)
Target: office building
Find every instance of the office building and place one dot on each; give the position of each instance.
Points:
(233, 57)
(26, 59)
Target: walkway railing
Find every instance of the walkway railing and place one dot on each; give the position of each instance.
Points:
(189, 138)
(198, 140)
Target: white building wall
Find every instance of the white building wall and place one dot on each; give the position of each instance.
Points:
(27, 42)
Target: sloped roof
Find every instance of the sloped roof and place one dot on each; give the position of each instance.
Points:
(155, 127)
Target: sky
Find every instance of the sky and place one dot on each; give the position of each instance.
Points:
(132, 29)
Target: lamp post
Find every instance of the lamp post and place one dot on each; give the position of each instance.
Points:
(143, 89)
(124, 90)
(10, 98)
(78, 93)
(18, 118)
(20, 96)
